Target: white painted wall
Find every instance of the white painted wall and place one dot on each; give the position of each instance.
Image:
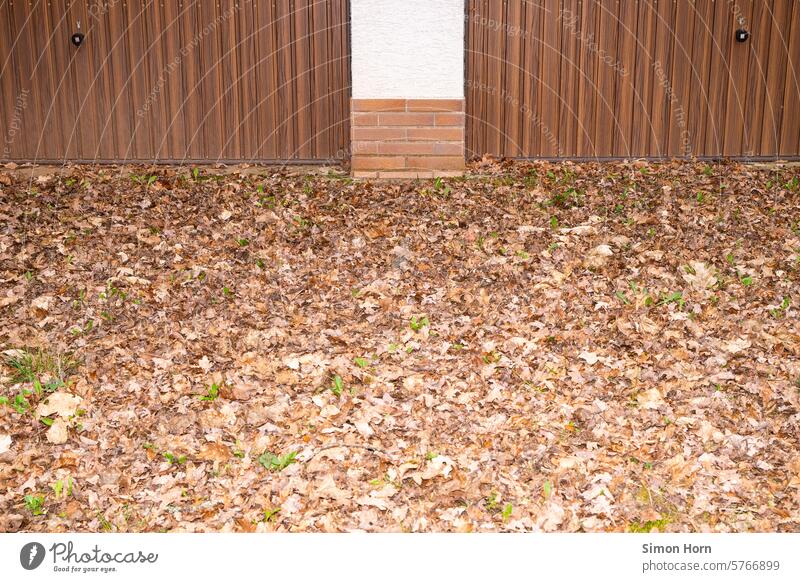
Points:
(412, 49)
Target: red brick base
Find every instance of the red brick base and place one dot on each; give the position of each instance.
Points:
(407, 138)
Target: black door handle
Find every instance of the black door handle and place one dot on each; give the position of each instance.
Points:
(77, 38)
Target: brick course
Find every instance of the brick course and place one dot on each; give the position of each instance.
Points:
(407, 138)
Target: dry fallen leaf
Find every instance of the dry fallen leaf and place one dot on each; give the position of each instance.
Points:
(438, 466)
(41, 306)
(205, 364)
(699, 276)
(737, 345)
(598, 256)
(215, 452)
(328, 489)
(58, 432)
(60, 403)
(650, 399)
(5, 443)
(551, 516)
(8, 300)
(378, 498)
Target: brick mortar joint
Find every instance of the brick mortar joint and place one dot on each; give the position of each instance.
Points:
(418, 142)
(404, 105)
(411, 127)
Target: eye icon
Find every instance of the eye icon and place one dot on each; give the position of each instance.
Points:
(31, 555)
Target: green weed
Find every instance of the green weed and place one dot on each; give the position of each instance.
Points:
(507, 511)
(35, 504)
(337, 385)
(62, 488)
(648, 526)
(269, 514)
(273, 462)
(417, 324)
(174, 459)
(28, 365)
(211, 394)
(780, 311)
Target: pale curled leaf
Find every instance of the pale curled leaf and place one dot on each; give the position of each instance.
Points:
(737, 345)
(58, 432)
(60, 403)
(650, 399)
(327, 489)
(699, 276)
(5, 443)
(598, 256)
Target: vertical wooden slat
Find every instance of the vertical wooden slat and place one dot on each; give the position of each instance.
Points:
(91, 105)
(486, 79)
(684, 82)
(626, 87)
(140, 141)
(543, 115)
(496, 46)
(776, 77)
(701, 64)
(101, 92)
(209, 81)
(227, 79)
(790, 128)
(473, 41)
(6, 88)
(608, 73)
(513, 65)
(34, 98)
(266, 113)
(124, 116)
(737, 80)
(37, 98)
(587, 87)
(570, 77)
(60, 14)
(717, 81)
(645, 75)
(301, 114)
(171, 72)
(663, 84)
(252, 98)
(23, 124)
(343, 29)
(476, 129)
(322, 65)
(285, 82)
(761, 27)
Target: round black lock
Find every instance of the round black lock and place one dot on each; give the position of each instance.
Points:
(742, 35)
(77, 38)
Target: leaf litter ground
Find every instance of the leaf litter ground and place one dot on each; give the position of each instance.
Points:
(537, 347)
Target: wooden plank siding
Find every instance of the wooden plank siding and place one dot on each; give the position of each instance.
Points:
(189, 80)
(620, 79)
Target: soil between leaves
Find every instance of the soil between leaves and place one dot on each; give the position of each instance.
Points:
(557, 347)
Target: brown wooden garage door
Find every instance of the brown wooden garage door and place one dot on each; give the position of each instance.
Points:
(190, 80)
(608, 78)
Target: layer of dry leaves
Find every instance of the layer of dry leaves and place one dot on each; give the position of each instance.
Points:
(559, 382)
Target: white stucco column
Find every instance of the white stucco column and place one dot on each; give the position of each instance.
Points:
(408, 88)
